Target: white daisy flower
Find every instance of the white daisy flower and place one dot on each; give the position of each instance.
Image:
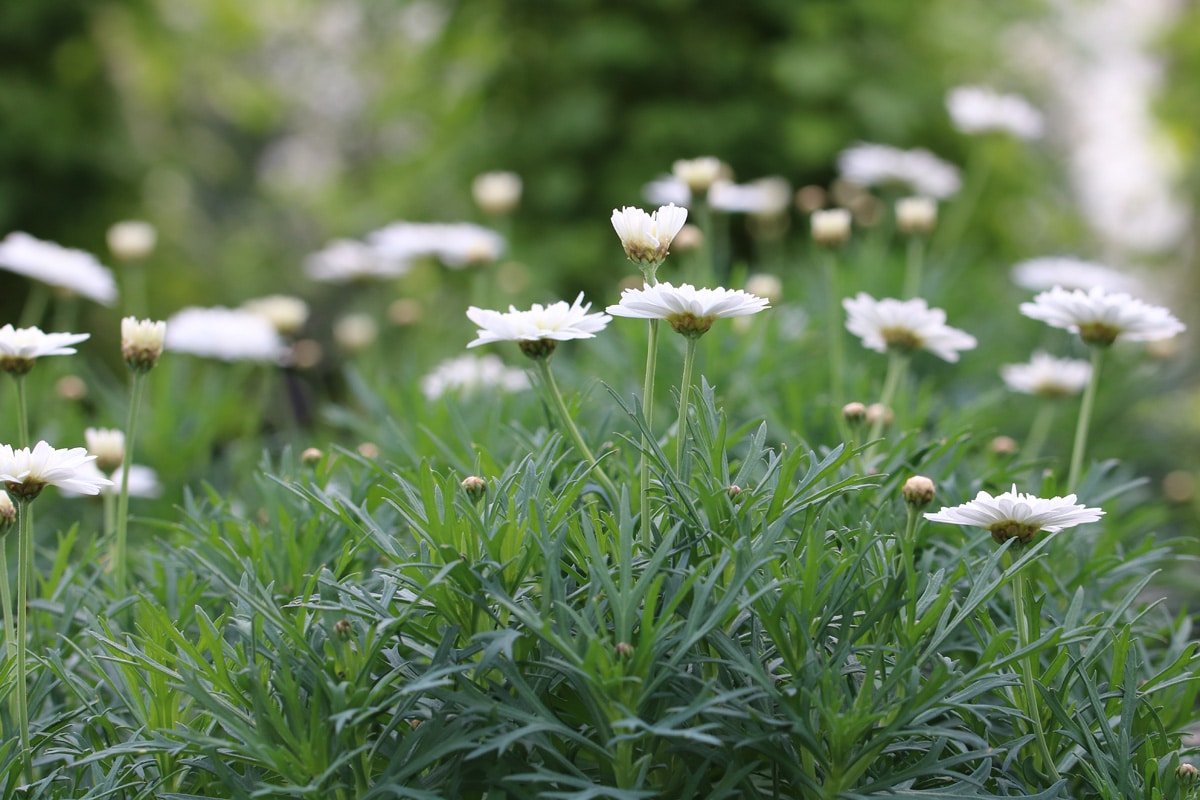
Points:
(920, 170)
(1047, 272)
(287, 314)
(21, 347)
(497, 193)
(978, 109)
(1101, 317)
(647, 237)
(698, 174)
(763, 197)
(347, 260)
(26, 472)
(1047, 376)
(904, 325)
(538, 329)
(223, 333)
(666, 191)
(143, 481)
(107, 445)
(53, 264)
(457, 245)
(142, 342)
(1015, 514)
(690, 311)
(469, 374)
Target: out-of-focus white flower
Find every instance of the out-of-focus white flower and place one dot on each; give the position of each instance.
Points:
(830, 226)
(107, 445)
(53, 264)
(286, 313)
(469, 374)
(346, 260)
(457, 245)
(978, 109)
(142, 342)
(355, 332)
(1070, 273)
(916, 215)
(1015, 514)
(1101, 317)
(698, 174)
(1047, 376)
(132, 239)
(538, 328)
(667, 191)
(919, 170)
(764, 197)
(765, 285)
(904, 325)
(647, 237)
(26, 472)
(223, 333)
(689, 310)
(143, 481)
(20, 348)
(497, 193)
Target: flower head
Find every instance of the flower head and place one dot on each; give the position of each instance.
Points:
(457, 245)
(919, 170)
(223, 333)
(1047, 272)
(347, 260)
(142, 342)
(132, 239)
(469, 374)
(916, 216)
(904, 325)
(107, 445)
(20, 348)
(830, 226)
(355, 332)
(667, 190)
(8, 514)
(286, 313)
(918, 491)
(538, 329)
(1101, 317)
(647, 237)
(690, 311)
(26, 472)
(497, 193)
(765, 197)
(698, 173)
(1013, 514)
(978, 109)
(143, 481)
(72, 270)
(1047, 376)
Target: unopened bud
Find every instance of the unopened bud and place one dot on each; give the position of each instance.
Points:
(734, 491)
(368, 450)
(1187, 775)
(689, 238)
(877, 410)
(142, 342)
(831, 227)
(311, 455)
(854, 413)
(8, 514)
(107, 445)
(918, 491)
(474, 486)
(497, 193)
(71, 387)
(132, 239)
(624, 649)
(342, 628)
(810, 198)
(1004, 445)
(916, 216)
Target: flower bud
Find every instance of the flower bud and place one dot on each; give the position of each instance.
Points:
(918, 491)
(1187, 775)
(71, 387)
(624, 649)
(877, 410)
(8, 514)
(831, 227)
(287, 314)
(368, 450)
(142, 342)
(475, 487)
(765, 285)
(107, 445)
(916, 216)
(698, 173)
(734, 491)
(355, 332)
(1004, 445)
(497, 193)
(810, 198)
(132, 240)
(854, 413)
(342, 628)
(689, 239)
(311, 455)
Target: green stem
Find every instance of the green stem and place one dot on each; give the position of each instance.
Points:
(647, 414)
(1085, 418)
(24, 570)
(1027, 666)
(572, 431)
(1040, 429)
(10, 642)
(35, 305)
(120, 548)
(908, 550)
(704, 221)
(685, 387)
(897, 365)
(837, 366)
(915, 267)
(22, 413)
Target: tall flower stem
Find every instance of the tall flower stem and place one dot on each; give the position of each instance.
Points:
(897, 366)
(6, 608)
(914, 267)
(1039, 430)
(24, 572)
(554, 396)
(22, 412)
(648, 414)
(1027, 666)
(837, 356)
(120, 544)
(685, 388)
(1085, 418)
(35, 305)
(908, 552)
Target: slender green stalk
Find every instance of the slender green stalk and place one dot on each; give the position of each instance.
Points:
(897, 366)
(837, 356)
(22, 412)
(1027, 666)
(907, 551)
(24, 571)
(35, 305)
(10, 642)
(648, 413)
(704, 221)
(1040, 429)
(120, 545)
(915, 267)
(1085, 418)
(569, 427)
(685, 388)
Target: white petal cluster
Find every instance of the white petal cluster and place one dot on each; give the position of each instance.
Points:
(763, 197)
(1101, 317)
(347, 260)
(979, 109)
(904, 325)
(53, 264)
(25, 472)
(1016, 514)
(142, 342)
(698, 174)
(1046, 272)
(132, 239)
(223, 333)
(1047, 376)
(667, 190)
(830, 226)
(469, 374)
(143, 480)
(33, 343)
(285, 312)
(647, 237)
(497, 192)
(107, 445)
(688, 309)
(555, 322)
(919, 170)
(457, 245)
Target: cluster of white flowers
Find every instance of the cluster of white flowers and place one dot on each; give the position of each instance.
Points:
(979, 109)
(919, 170)
(469, 374)
(71, 270)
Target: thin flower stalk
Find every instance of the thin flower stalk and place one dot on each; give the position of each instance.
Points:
(120, 557)
(914, 266)
(908, 554)
(1039, 430)
(897, 367)
(24, 559)
(554, 397)
(10, 642)
(648, 415)
(837, 349)
(22, 412)
(1027, 666)
(685, 387)
(1085, 417)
